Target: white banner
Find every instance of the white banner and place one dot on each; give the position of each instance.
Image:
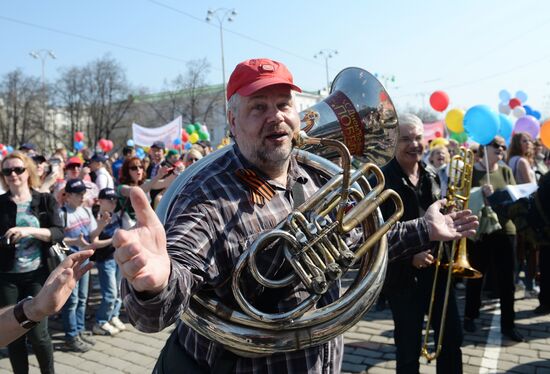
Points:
(146, 136)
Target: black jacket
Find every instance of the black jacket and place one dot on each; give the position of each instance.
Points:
(45, 208)
(416, 199)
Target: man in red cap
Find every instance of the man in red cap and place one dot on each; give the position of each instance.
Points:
(231, 197)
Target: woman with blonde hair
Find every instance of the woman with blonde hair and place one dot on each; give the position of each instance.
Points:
(29, 224)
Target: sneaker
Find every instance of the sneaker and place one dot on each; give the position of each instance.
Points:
(86, 337)
(469, 325)
(116, 322)
(76, 345)
(105, 329)
(513, 334)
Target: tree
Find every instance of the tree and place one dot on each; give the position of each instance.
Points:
(22, 106)
(70, 96)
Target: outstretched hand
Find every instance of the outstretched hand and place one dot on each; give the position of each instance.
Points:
(451, 226)
(141, 251)
(59, 286)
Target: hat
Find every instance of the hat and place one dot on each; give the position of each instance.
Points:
(252, 75)
(74, 160)
(39, 158)
(98, 157)
(172, 152)
(27, 146)
(107, 194)
(75, 186)
(158, 144)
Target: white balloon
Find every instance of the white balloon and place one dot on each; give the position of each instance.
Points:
(519, 111)
(504, 108)
(504, 95)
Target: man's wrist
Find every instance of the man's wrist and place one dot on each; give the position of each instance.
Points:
(32, 312)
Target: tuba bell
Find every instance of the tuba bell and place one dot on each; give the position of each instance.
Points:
(357, 120)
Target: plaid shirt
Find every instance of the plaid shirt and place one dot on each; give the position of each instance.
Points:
(210, 224)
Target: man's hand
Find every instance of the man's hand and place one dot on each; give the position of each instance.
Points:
(451, 226)
(422, 259)
(141, 251)
(15, 234)
(58, 286)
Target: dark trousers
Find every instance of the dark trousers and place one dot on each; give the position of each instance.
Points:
(496, 249)
(408, 309)
(14, 287)
(544, 282)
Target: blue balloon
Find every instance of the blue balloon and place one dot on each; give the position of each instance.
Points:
(130, 142)
(506, 127)
(504, 96)
(522, 96)
(536, 114)
(177, 141)
(528, 110)
(481, 124)
(187, 146)
(9, 148)
(78, 145)
(140, 153)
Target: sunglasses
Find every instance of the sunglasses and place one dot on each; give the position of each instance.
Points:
(497, 146)
(18, 170)
(73, 166)
(136, 167)
(192, 159)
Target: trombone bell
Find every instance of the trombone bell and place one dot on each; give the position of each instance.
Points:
(461, 265)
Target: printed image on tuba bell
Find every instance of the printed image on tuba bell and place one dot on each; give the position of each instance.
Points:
(337, 231)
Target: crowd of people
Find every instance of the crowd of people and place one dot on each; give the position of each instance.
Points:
(80, 200)
(92, 201)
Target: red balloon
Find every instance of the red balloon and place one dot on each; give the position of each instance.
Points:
(438, 134)
(439, 100)
(78, 136)
(108, 145)
(514, 102)
(184, 136)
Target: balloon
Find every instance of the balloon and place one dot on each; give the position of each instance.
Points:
(528, 124)
(439, 100)
(108, 145)
(1, 146)
(528, 110)
(506, 127)
(190, 128)
(184, 136)
(545, 133)
(102, 144)
(194, 137)
(187, 146)
(461, 137)
(204, 128)
(519, 111)
(78, 136)
(198, 127)
(504, 96)
(9, 148)
(177, 141)
(522, 96)
(481, 124)
(536, 114)
(504, 108)
(78, 145)
(203, 135)
(130, 143)
(514, 102)
(140, 153)
(454, 120)
(4, 152)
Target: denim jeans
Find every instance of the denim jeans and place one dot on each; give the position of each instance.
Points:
(74, 310)
(109, 282)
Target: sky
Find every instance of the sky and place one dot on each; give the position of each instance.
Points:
(470, 49)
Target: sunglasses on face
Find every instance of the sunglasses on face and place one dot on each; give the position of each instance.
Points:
(18, 170)
(497, 146)
(192, 159)
(136, 167)
(73, 166)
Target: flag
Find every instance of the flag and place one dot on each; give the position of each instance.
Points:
(146, 136)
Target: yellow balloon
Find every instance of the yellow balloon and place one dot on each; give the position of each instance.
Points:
(193, 138)
(438, 142)
(545, 134)
(455, 120)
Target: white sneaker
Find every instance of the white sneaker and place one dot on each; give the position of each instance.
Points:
(105, 329)
(116, 322)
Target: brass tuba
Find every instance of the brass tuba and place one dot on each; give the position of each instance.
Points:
(357, 120)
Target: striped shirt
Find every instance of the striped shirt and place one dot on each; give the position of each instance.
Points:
(211, 222)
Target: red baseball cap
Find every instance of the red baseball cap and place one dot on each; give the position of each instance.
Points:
(252, 75)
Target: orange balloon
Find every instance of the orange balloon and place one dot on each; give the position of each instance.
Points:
(545, 134)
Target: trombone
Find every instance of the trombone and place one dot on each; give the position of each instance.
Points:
(458, 196)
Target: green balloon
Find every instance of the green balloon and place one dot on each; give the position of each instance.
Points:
(203, 135)
(461, 137)
(198, 127)
(190, 128)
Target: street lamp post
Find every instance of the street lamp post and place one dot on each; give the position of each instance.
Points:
(326, 54)
(43, 55)
(222, 15)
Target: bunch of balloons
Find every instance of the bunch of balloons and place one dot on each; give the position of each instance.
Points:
(105, 145)
(516, 105)
(5, 149)
(479, 123)
(191, 134)
(79, 140)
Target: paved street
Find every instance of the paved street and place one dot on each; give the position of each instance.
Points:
(369, 346)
